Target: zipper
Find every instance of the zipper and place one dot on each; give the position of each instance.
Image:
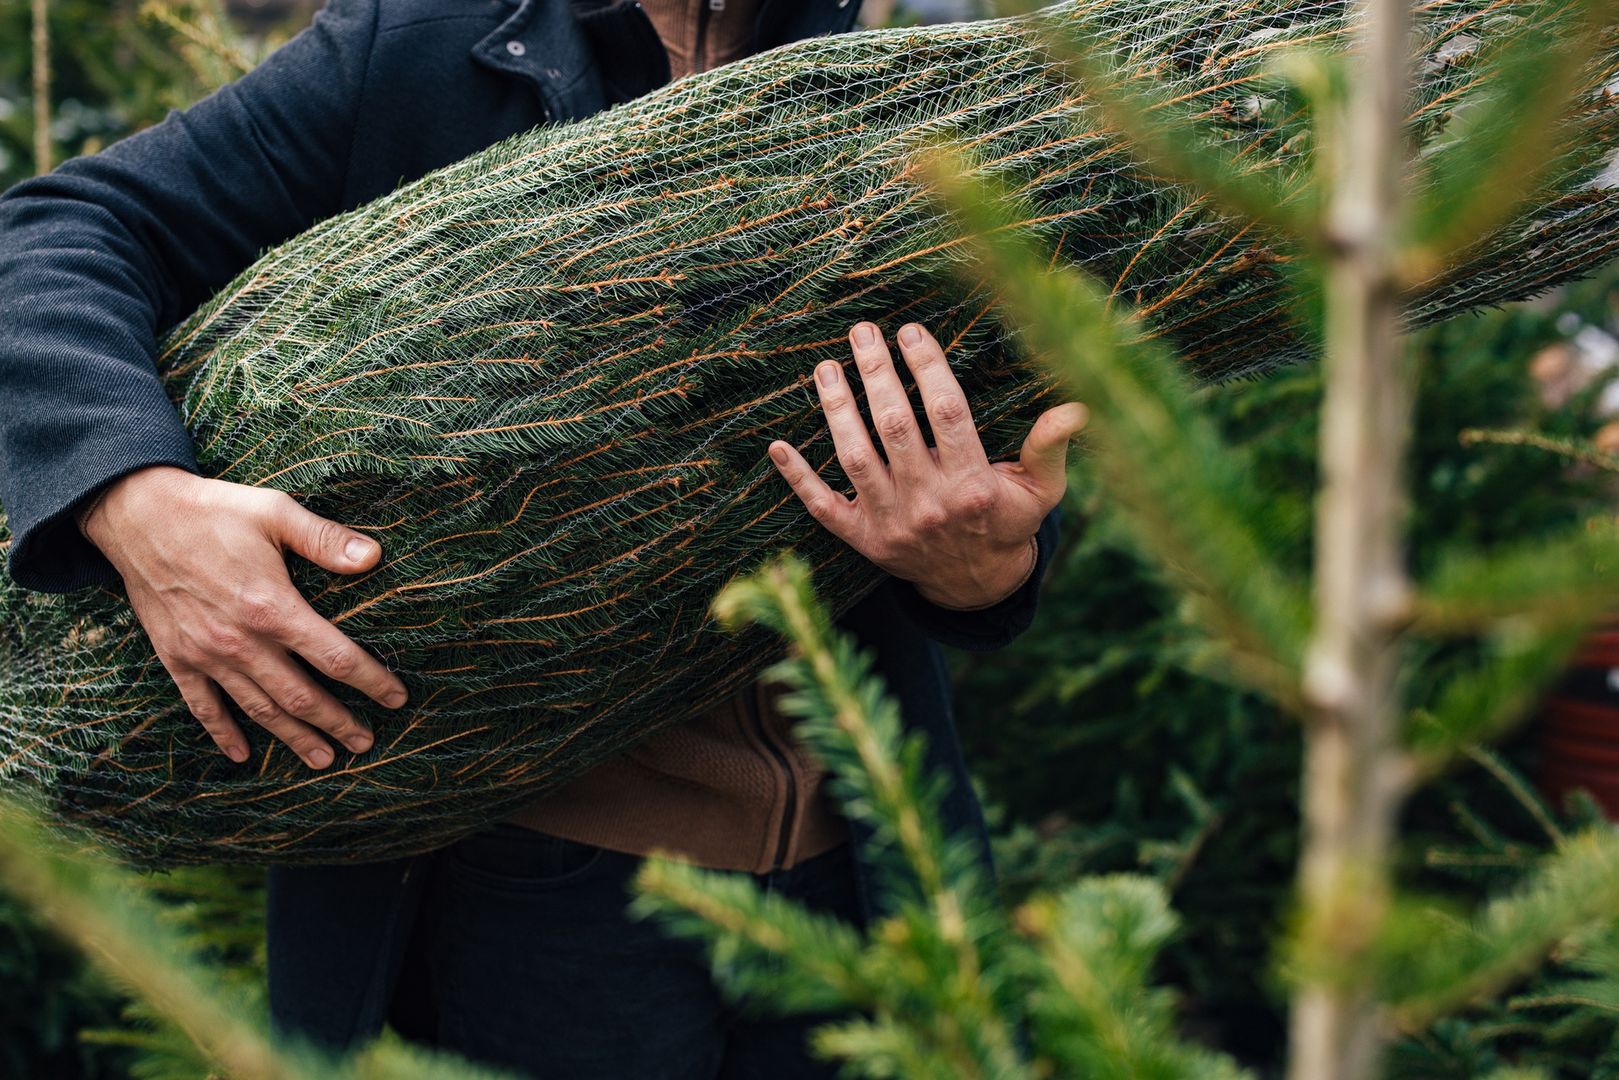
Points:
(763, 731)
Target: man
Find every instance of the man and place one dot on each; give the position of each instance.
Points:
(512, 946)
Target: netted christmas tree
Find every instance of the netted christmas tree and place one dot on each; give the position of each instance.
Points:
(544, 379)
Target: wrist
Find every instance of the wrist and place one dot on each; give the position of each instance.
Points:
(96, 518)
(82, 516)
(989, 587)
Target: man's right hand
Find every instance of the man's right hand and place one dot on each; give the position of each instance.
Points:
(204, 565)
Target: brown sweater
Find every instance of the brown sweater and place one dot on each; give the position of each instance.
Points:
(729, 790)
(699, 36)
(732, 789)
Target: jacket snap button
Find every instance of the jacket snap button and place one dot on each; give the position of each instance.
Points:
(516, 48)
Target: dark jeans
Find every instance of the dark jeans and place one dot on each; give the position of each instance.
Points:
(521, 956)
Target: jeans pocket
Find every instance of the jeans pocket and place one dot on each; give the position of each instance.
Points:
(512, 857)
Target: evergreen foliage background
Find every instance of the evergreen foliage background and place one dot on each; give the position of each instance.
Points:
(120, 65)
(1110, 741)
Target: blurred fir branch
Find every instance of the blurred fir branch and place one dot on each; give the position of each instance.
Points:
(1188, 494)
(117, 66)
(48, 996)
(1580, 450)
(216, 918)
(1506, 141)
(107, 911)
(1352, 691)
(215, 53)
(1432, 961)
(942, 986)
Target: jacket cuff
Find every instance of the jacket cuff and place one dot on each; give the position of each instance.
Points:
(988, 628)
(48, 552)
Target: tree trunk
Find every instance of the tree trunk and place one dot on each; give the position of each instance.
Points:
(42, 88)
(1352, 761)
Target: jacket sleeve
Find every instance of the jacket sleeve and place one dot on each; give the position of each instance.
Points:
(99, 257)
(988, 628)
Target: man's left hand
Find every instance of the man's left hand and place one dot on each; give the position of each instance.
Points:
(942, 517)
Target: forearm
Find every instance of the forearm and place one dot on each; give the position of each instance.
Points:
(80, 400)
(99, 257)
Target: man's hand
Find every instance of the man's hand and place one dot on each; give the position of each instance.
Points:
(203, 563)
(943, 518)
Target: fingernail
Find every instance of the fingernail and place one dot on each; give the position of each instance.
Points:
(359, 743)
(320, 758)
(778, 453)
(237, 754)
(865, 335)
(395, 698)
(359, 548)
(828, 373)
(910, 334)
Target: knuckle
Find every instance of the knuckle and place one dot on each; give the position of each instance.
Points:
(262, 711)
(836, 402)
(894, 424)
(183, 656)
(929, 519)
(344, 728)
(327, 535)
(870, 361)
(342, 663)
(226, 643)
(858, 465)
(277, 504)
(950, 409)
(261, 612)
(300, 701)
(975, 499)
(819, 508)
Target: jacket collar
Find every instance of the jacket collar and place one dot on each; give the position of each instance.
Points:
(541, 44)
(783, 21)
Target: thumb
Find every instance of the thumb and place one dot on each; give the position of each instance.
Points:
(1045, 452)
(326, 543)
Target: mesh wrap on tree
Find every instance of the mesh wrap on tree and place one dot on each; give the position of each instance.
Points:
(545, 378)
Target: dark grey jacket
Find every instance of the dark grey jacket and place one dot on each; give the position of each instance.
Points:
(98, 258)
